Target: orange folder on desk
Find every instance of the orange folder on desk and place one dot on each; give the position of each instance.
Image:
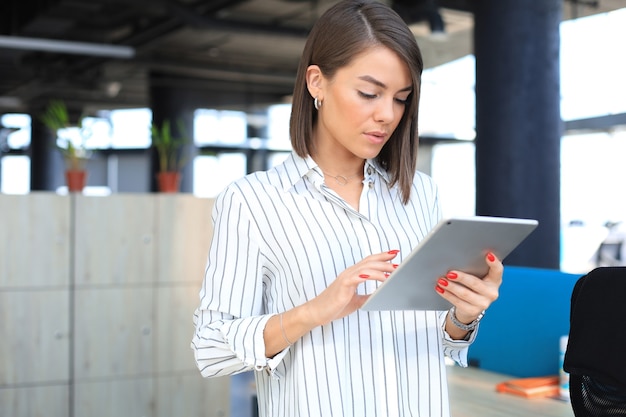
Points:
(532, 387)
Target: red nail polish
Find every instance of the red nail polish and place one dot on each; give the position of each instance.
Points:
(393, 252)
(395, 265)
(452, 275)
(439, 290)
(491, 257)
(442, 282)
(364, 276)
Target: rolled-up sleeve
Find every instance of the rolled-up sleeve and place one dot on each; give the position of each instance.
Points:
(225, 346)
(230, 319)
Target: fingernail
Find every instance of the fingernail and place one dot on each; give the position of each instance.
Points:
(439, 289)
(364, 276)
(442, 282)
(393, 251)
(491, 257)
(394, 265)
(451, 275)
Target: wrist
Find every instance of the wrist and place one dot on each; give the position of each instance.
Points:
(468, 325)
(310, 315)
(303, 318)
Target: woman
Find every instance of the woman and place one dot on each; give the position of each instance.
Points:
(297, 249)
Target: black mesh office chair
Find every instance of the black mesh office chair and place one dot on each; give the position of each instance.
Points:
(596, 351)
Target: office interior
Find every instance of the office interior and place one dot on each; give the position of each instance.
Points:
(97, 288)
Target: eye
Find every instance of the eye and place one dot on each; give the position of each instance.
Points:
(367, 96)
(403, 102)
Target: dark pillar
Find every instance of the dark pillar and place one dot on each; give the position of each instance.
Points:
(46, 163)
(173, 104)
(518, 124)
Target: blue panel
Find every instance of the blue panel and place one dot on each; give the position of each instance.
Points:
(243, 395)
(520, 333)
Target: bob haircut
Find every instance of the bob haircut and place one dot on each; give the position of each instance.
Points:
(344, 31)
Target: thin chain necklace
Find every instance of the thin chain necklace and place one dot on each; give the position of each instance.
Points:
(341, 179)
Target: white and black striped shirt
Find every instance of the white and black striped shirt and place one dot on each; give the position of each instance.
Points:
(280, 238)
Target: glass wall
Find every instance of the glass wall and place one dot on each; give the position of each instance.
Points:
(592, 171)
(14, 164)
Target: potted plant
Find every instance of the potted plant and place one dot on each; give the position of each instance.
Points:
(169, 148)
(75, 154)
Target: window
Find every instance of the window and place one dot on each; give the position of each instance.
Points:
(15, 174)
(219, 127)
(211, 174)
(16, 132)
(129, 128)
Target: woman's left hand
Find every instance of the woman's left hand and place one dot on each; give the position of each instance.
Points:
(469, 294)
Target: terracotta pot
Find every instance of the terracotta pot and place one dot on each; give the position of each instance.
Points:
(168, 182)
(75, 180)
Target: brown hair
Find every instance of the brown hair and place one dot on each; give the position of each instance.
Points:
(339, 35)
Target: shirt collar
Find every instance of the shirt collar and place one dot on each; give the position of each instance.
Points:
(375, 165)
(297, 169)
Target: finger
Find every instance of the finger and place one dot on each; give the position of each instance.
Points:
(475, 284)
(471, 304)
(375, 276)
(469, 288)
(377, 263)
(495, 268)
(475, 290)
(379, 271)
(360, 299)
(454, 291)
(383, 256)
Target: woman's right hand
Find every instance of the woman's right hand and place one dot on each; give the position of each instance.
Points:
(341, 298)
(338, 300)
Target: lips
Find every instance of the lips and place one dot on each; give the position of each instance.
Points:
(376, 137)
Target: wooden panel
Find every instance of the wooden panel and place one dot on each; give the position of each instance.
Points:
(174, 328)
(184, 234)
(190, 395)
(34, 337)
(47, 401)
(34, 245)
(123, 398)
(138, 265)
(113, 332)
(115, 239)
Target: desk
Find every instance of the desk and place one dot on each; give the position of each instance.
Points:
(473, 394)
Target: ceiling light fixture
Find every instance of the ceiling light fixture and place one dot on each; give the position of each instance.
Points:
(66, 47)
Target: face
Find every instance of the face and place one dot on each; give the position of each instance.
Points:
(362, 104)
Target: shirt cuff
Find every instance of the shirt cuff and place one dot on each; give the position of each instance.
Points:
(244, 337)
(457, 349)
(251, 349)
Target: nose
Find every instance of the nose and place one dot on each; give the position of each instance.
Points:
(385, 111)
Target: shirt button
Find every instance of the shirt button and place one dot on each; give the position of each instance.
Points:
(371, 185)
(369, 170)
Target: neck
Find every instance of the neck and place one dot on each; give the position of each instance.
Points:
(343, 179)
(344, 168)
(339, 167)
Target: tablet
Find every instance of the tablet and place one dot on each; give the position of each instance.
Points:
(459, 243)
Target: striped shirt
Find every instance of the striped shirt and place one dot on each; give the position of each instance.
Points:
(280, 238)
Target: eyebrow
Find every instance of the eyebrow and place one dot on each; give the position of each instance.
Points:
(374, 81)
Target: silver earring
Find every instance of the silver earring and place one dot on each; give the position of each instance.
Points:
(317, 103)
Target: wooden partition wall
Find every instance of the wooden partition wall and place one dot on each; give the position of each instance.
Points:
(96, 303)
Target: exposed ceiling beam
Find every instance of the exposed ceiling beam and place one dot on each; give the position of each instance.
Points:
(66, 47)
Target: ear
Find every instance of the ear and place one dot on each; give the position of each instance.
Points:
(314, 81)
